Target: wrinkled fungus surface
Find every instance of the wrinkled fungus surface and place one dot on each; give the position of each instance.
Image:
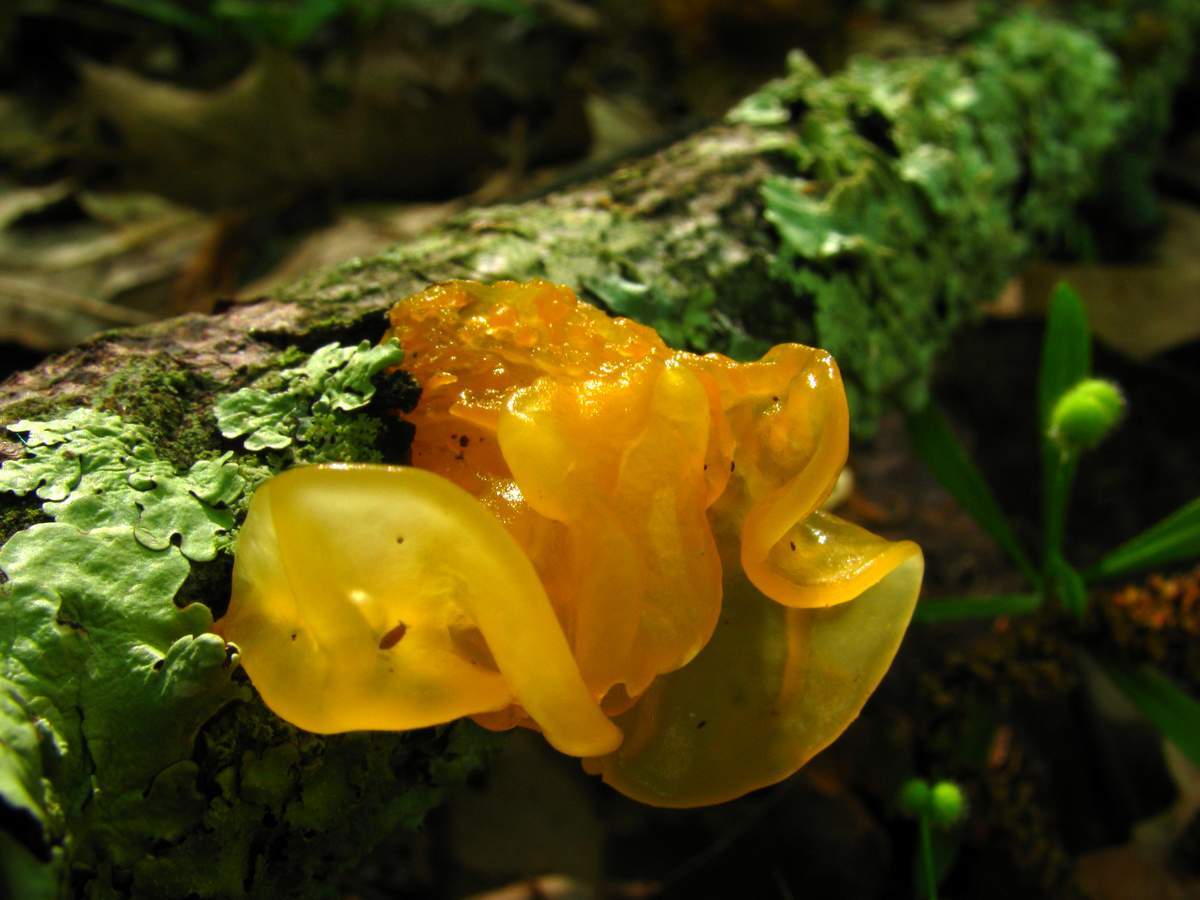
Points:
(614, 542)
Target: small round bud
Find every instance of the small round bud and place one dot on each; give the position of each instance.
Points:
(947, 805)
(1085, 414)
(913, 798)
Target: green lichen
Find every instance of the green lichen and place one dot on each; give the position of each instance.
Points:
(94, 470)
(923, 183)
(872, 211)
(307, 404)
(1155, 41)
(664, 271)
(105, 680)
(135, 759)
(113, 678)
(691, 324)
(274, 804)
(934, 179)
(161, 394)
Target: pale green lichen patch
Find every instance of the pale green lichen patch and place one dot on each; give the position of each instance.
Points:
(112, 678)
(127, 766)
(96, 470)
(105, 680)
(307, 403)
(24, 786)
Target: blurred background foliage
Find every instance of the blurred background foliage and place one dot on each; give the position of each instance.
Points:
(159, 156)
(156, 155)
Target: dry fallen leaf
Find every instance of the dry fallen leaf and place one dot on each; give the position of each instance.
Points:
(279, 129)
(104, 261)
(1143, 309)
(1129, 871)
(358, 231)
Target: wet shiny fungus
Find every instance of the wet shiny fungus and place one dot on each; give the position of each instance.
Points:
(633, 558)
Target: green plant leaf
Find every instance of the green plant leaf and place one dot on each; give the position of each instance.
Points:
(1174, 538)
(1172, 711)
(288, 25)
(1066, 360)
(1066, 350)
(953, 609)
(950, 463)
(1067, 585)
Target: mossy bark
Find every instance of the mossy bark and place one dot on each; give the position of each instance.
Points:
(692, 211)
(870, 212)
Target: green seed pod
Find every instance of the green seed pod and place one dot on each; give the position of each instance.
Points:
(913, 798)
(947, 805)
(1085, 414)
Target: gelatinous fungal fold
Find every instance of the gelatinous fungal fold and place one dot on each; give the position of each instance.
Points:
(614, 542)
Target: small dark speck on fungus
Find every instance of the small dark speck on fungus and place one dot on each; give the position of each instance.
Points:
(391, 638)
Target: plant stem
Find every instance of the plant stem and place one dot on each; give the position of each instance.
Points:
(926, 833)
(1059, 473)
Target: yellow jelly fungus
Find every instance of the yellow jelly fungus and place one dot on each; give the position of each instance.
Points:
(614, 542)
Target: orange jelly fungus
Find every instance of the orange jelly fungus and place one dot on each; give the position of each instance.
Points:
(614, 542)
